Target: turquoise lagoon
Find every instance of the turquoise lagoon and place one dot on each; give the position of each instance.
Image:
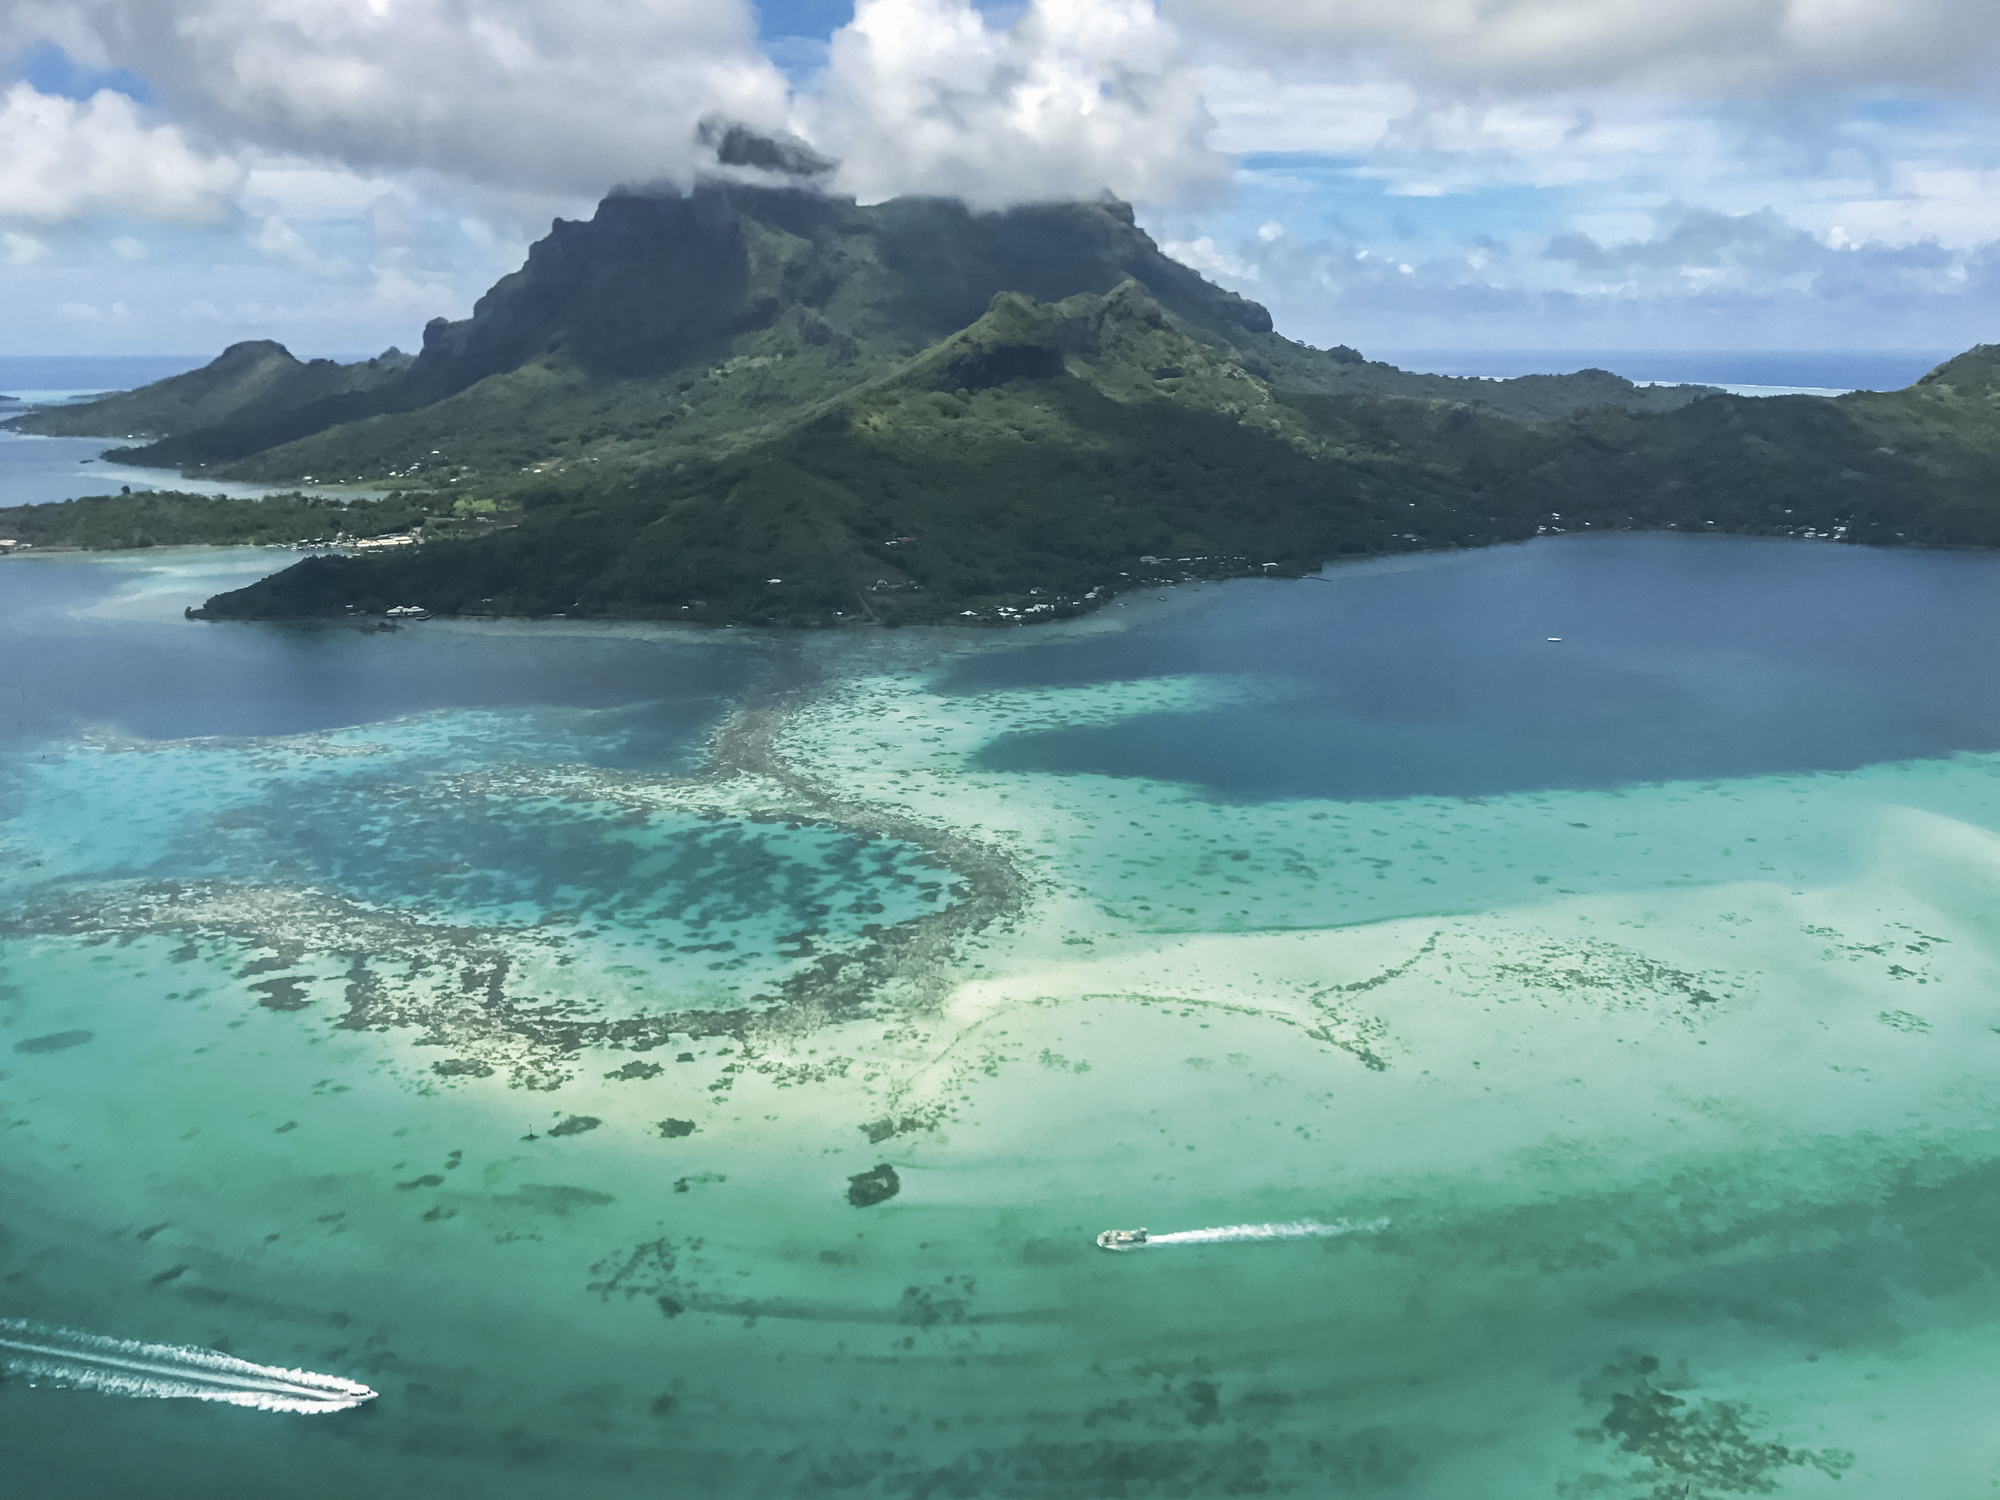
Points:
(496, 1014)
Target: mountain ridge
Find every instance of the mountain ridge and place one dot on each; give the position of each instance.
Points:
(767, 405)
(251, 376)
(1045, 459)
(633, 324)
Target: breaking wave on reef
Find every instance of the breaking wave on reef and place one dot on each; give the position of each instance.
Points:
(1301, 1229)
(125, 1367)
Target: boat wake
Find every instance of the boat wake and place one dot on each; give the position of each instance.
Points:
(124, 1367)
(1299, 1229)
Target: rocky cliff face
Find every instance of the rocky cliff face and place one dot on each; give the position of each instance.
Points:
(672, 321)
(656, 284)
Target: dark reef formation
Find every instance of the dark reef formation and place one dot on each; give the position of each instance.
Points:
(877, 1185)
(457, 986)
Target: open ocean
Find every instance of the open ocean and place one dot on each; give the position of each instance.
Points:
(1549, 1067)
(1755, 370)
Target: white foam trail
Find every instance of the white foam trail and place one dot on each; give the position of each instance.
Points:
(1299, 1229)
(125, 1367)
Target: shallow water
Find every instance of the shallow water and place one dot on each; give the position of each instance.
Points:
(1554, 1068)
(38, 470)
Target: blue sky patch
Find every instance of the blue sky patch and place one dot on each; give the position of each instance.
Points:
(50, 70)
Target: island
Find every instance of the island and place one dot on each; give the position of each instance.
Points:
(769, 405)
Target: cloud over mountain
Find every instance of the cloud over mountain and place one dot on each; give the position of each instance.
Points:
(1537, 164)
(1079, 96)
(521, 96)
(517, 94)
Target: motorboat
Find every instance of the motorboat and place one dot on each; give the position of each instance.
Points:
(1121, 1239)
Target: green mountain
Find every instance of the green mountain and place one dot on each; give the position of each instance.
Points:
(1051, 455)
(253, 387)
(668, 322)
(766, 404)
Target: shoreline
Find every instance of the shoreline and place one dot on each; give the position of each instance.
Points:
(1329, 570)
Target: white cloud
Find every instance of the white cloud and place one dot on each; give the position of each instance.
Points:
(519, 94)
(1696, 246)
(1450, 145)
(1211, 260)
(391, 298)
(280, 241)
(393, 220)
(302, 191)
(1955, 206)
(419, 300)
(368, 163)
(1687, 277)
(94, 312)
(21, 249)
(1078, 96)
(27, 24)
(1613, 167)
(1701, 47)
(66, 158)
(1263, 109)
(323, 99)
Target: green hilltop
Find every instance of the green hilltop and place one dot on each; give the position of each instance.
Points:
(251, 387)
(770, 405)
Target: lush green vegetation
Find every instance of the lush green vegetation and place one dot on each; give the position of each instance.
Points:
(170, 518)
(668, 325)
(1021, 498)
(251, 396)
(779, 407)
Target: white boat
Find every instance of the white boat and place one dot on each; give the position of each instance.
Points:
(1121, 1239)
(408, 612)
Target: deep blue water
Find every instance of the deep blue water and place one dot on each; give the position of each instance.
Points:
(1680, 657)
(1838, 369)
(73, 664)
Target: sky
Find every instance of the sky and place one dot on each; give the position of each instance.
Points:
(177, 175)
